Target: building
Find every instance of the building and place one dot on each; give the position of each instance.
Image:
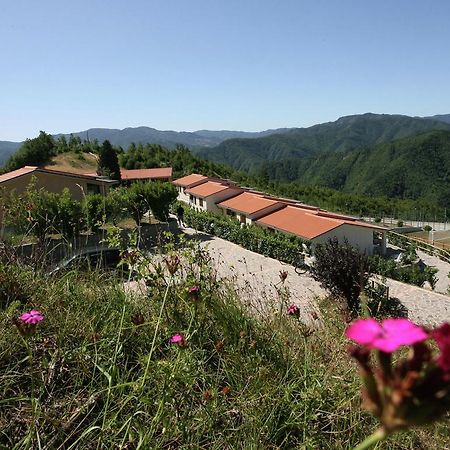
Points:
(156, 174)
(187, 182)
(249, 206)
(205, 196)
(278, 214)
(55, 181)
(319, 226)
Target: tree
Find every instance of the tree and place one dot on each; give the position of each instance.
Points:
(154, 196)
(108, 162)
(33, 152)
(342, 270)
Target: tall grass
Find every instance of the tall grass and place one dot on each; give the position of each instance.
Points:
(106, 376)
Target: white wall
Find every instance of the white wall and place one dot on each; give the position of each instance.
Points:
(358, 237)
(182, 196)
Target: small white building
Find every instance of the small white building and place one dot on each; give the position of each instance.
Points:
(320, 226)
(205, 196)
(249, 206)
(189, 181)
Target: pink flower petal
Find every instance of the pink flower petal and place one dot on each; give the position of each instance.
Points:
(364, 331)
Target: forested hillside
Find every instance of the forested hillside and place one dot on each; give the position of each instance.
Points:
(347, 133)
(417, 167)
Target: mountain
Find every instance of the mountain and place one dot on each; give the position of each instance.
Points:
(346, 133)
(440, 117)
(6, 149)
(146, 135)
(416, 167)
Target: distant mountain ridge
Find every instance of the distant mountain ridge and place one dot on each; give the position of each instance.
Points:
(346, 133)
(169, 138)
(245, 150)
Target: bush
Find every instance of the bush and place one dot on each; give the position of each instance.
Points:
(400, 223)
(342, 270)
(427, 228)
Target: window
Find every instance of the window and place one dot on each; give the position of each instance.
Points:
(200, 201)
(92, 188)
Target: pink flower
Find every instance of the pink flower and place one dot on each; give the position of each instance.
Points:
(178, 339)
(442, 337)
(32, 317)
(293, 310)
(195, 290)
(388, 336)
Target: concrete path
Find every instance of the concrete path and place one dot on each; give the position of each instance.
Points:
(257, 277)
(443, 267)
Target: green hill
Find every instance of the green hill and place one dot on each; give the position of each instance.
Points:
(416, 167)
(347, 133)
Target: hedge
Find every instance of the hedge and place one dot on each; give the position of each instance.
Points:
(283, 247)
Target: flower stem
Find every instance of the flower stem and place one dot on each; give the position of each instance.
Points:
(373, 439)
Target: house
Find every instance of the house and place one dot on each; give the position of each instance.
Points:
(205, 196)
(187, 182)
(249, 206)
(55, 181)
(156, 174)
(319, 226)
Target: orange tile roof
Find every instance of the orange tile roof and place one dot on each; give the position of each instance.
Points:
(209, 188)
(248, 203)
(144, 174)
(17, 173)
(307, 223)
(301, 222)
(189, 180)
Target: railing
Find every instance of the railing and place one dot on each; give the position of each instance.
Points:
(422, 244)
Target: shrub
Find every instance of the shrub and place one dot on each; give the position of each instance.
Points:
(342, 270)
(427, 228)
(400, 223)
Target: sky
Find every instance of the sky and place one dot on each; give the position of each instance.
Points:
(67, 66)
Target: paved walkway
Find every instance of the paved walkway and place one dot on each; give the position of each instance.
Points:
(257, 275)
(258, 282)
(443, 267)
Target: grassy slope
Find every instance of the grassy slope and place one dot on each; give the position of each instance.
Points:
(74, 162)
(100, 381)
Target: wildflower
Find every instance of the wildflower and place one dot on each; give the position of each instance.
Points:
(219, 345)
(207, 395)
(225, 390)
(388, 336)
(178, 339)
(283, 275)
(194, 292)
(414, 390)
(293, 310)
(442, 337)
(252, 344)
(27, 322)
(172, 263)
(138, 319)
(31, 318)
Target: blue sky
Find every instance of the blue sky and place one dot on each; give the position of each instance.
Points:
(210, 64)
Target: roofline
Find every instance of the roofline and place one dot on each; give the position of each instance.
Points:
(209, 195)
(253, 212)
(75, 175)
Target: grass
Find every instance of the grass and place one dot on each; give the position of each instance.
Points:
(74, 162)
(103, 374)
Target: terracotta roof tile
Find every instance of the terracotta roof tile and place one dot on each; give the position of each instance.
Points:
(248, 203)
(210, 188)
(189, 180)
(144, 174)
(301, 222)
(17, 173)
